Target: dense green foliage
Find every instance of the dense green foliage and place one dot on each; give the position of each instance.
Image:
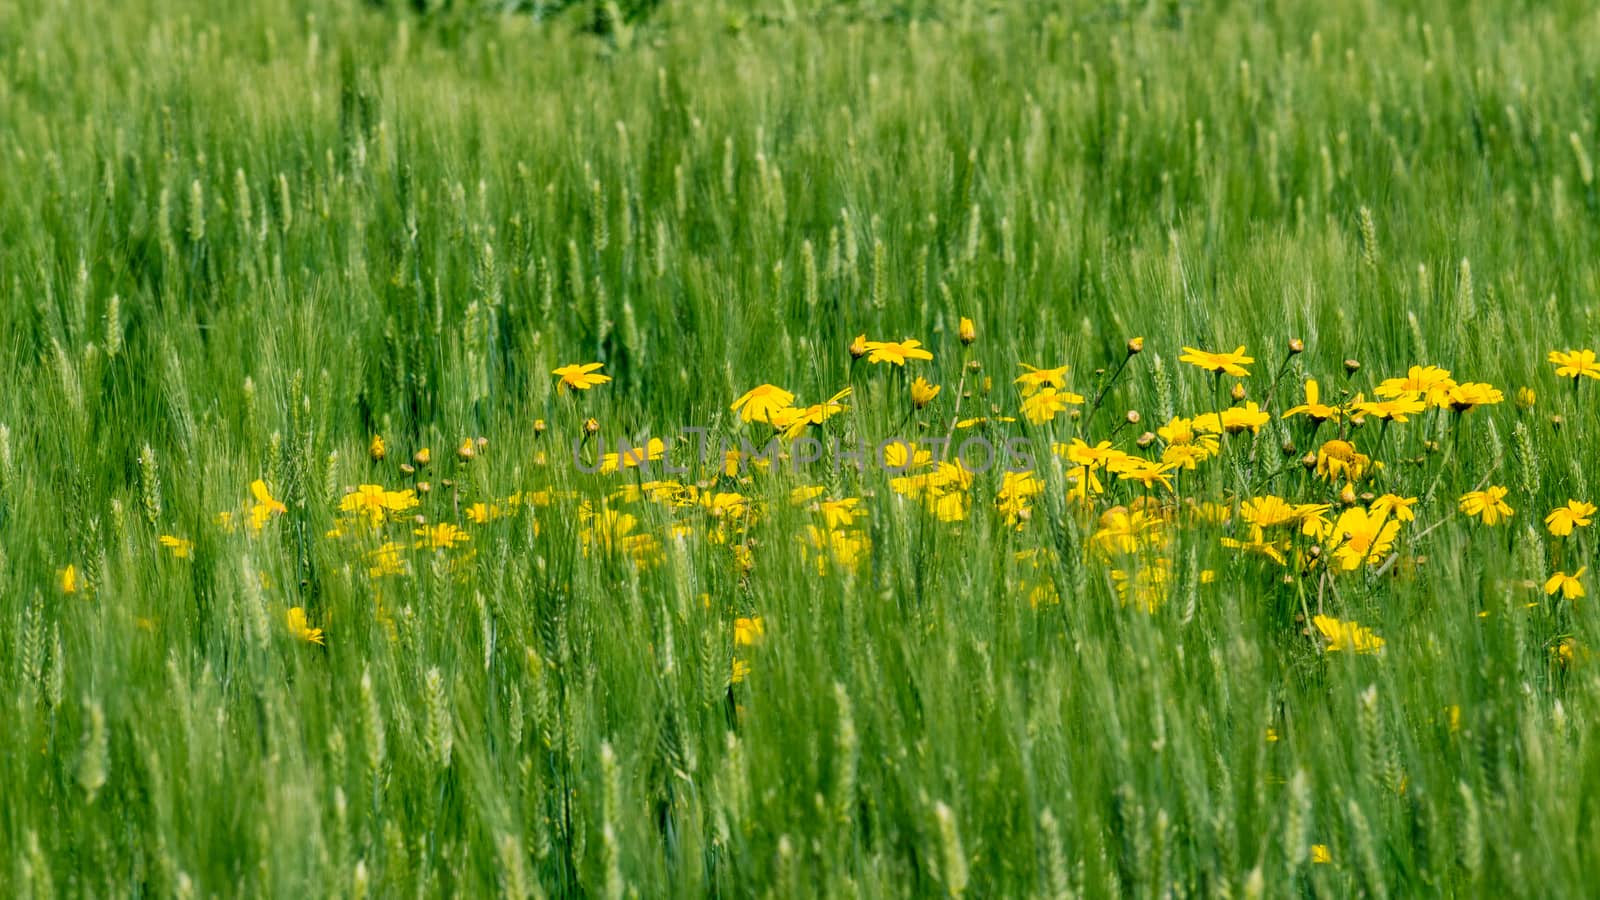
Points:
(238, 240)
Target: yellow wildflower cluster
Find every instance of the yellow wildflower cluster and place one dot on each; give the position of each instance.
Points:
(1127, 505)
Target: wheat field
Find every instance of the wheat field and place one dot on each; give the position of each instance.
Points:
(798, 448)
